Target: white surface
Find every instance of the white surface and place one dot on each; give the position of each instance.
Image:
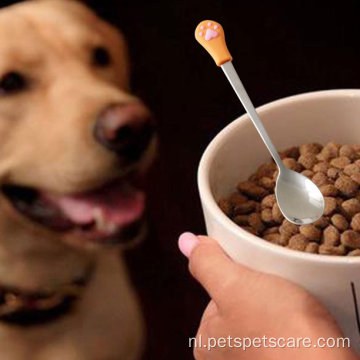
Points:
(237, 151)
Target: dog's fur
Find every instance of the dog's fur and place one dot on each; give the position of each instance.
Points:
(45, 143)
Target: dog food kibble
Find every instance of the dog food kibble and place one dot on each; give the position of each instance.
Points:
(351, 207)
(312, 247)
(351, 239)
(355, 222)
(335, 169)
(311, 232)
(346, 185)
(332, 250)
(298, 242)
(333, 173)
(331, 236)
(339, 222)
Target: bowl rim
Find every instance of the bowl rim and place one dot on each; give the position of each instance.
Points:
(212, 206)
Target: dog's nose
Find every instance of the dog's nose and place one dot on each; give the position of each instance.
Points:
(126, 129)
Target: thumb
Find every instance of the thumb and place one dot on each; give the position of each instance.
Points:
(209, 264)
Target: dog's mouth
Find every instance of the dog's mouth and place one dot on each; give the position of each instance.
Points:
(111, 213)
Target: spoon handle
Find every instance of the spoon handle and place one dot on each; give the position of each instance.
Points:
(240, 91)
(210, 35)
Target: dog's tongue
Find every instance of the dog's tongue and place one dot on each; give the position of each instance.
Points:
(116, 204)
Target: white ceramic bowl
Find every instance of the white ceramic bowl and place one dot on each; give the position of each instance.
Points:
(237, 151)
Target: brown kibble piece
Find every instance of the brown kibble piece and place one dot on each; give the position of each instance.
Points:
(276, 173)
(346, 185)
(331, 236)
(284, 240)
(339, 201)
(329, 151)
(252, 178)
(277, 216)
(348, 151)
(333, 173)
(311, 232)
(320, 179)
(355, 252)
(339, 222)
(226, 207)
(307, 160)
(266, 215)
(252, 190)
(328, 190)
(276, 239)
(308, 173)
(311, 148)
(340, 162)
(321, 167)
(268, 201)
(356, 178)
(288, 228)
(351, 207)
(237, 198)
(267, 183)
(312, 247)
(350, 239)
(245, 208)
(322, 223)
(330, 205)
(355, 222)
(241, 219)
(298, 242)
(255, 222)
(292, 164)
(250, 230)
(292, 153)
(352, 169)
(266, 170)
(332, 250)
(271, 230)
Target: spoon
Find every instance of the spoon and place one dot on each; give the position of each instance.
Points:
(299, 199)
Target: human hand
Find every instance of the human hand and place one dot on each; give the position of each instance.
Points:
(250, 304)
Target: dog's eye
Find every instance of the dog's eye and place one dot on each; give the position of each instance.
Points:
(101, 56)
(12, 82)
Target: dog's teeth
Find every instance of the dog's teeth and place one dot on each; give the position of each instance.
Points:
(99, 218)
(101, 223)
(110, 227)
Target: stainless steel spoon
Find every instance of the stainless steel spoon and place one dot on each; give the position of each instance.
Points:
(299, 199)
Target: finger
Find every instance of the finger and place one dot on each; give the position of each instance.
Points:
(211, 266)
(210, 311)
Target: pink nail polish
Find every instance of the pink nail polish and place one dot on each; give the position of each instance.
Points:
(187, 242)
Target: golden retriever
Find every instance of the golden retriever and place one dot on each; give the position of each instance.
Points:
(74, 145)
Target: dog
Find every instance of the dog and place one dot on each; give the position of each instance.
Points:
(74, 148)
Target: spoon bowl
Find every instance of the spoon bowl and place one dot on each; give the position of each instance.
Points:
(299, 199)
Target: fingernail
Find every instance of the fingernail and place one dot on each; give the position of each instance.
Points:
(187, 242)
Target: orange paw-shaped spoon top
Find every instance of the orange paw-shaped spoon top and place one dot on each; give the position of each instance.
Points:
(210, 35)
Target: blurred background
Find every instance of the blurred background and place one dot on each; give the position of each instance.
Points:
(280, 48)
